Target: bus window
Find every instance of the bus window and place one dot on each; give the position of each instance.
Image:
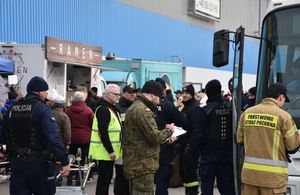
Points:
(278, 65)
(293, 84)
(297, 53)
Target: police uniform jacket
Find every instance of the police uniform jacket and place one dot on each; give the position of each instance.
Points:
(142, 139)
(189, 111)
(267, 133)
(218, 142)
(168, 113)
(44, 121)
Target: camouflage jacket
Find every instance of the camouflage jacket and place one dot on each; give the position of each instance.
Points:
(142, 139)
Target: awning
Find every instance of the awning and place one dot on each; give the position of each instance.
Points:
(6, 65)
(118, 76)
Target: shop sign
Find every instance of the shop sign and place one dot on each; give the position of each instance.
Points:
(208, 8)
(72, 52)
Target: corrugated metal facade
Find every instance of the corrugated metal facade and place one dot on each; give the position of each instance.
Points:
(233, 12)
(29, 20)
(127, 31)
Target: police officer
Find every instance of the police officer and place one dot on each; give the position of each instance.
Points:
(268, 134)
(128, 96)
(189, 167)
(34, 143)
(142, 139)
(167, 114)
(212, 136)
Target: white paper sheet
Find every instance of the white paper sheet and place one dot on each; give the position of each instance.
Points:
(178, 131)
(12, 79)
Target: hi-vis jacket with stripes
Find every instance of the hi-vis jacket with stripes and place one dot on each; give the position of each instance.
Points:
(267, 132)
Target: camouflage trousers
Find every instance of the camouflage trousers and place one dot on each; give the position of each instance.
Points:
(142, 185)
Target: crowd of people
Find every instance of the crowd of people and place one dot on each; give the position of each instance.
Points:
(131, 131)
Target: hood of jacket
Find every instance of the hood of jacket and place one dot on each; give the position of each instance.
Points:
(77, 107)
(216, 99)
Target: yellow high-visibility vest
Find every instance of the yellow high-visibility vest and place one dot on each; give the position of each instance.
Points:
(97, 150)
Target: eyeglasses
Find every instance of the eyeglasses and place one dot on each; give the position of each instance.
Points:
(116, 94)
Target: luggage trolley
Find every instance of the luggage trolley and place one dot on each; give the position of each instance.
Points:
(85, 169)
(4, 165)
(4, 171)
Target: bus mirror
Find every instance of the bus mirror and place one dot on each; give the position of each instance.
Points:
(221, 48)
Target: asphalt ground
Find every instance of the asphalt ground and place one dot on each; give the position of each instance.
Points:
(91, 187)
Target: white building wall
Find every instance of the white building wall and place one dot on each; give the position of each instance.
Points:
(202, 75)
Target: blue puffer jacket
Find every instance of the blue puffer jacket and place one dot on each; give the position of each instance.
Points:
(4, 111)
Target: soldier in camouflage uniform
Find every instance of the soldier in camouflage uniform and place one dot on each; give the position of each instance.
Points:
(142, 139)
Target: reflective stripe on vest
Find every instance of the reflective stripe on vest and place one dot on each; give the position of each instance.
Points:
(261, 164)
(191, 184)
(97, 150)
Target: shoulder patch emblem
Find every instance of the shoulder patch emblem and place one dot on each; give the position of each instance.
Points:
(147, 110)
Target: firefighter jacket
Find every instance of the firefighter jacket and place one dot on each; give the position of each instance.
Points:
(142, 139)
(97, 149)
(267, 132)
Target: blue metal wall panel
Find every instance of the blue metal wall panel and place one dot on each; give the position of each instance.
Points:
(127, 31)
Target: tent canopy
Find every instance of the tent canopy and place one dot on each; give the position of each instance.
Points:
(6, 65)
